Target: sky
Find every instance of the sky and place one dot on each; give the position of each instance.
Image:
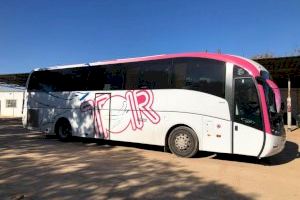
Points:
(43, 33)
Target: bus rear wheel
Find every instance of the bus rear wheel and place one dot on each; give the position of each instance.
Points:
(183, 142)
(64, 130)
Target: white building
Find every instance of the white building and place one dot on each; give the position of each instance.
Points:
(11, 101)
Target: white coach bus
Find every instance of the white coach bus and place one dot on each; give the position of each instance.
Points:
(184, 102)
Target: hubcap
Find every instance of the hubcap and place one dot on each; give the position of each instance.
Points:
(182, 141)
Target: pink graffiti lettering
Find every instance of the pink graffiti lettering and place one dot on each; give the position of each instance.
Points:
(132, 109)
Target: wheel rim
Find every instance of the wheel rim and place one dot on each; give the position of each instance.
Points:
(182, 141)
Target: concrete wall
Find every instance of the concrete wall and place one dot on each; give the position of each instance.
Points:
(11, 112)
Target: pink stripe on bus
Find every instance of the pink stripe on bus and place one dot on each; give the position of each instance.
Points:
(264, 109)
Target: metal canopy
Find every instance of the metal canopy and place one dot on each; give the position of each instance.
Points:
(282, 66)
(16, 79)
(282, 69)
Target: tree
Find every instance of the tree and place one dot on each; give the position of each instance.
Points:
(263, 55)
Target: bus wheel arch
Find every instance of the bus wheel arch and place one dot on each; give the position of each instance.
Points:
(63, 129)
(182, 133)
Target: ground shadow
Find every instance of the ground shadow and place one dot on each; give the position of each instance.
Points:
(10, 121)
(288, 154)
(33, 167)
(112, 144)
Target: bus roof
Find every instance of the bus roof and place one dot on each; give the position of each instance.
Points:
(251, 66)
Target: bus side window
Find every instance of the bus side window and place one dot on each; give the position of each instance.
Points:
(72, 79)
(95, 80)
(41, 81)
(154, 75)
(148, 75)
(132, 73)
(204, 75)
(179, 75)
(114, 77)
(33, 82)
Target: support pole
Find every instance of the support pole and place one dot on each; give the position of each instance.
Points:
(289, 106)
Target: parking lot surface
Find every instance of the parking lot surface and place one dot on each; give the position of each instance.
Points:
(35, 167)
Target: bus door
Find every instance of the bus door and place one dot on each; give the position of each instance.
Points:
(102, 115)
(248, 134)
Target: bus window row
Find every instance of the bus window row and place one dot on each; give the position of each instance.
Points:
(197, 74)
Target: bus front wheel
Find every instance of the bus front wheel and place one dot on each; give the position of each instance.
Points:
(64, 130)
(183, 142)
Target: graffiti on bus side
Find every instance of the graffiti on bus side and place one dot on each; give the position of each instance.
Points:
(130, 110)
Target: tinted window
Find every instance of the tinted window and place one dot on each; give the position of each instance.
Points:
(149, 75)
(240, 72)
(73, 79)
(204, 75)
(270, 98)
(132, 74)
(114, 78)
(41, 81)
(108, 77)
(247, 106)
(96, 78)
(33, 81)
(59, 80)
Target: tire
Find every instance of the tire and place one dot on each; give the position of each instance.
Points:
(183, 142)
(64, 130)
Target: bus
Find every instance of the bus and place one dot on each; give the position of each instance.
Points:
(186, 102)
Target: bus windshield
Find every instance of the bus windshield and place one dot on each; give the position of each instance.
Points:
(273, 96)
(273, 99)
(270, 98)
